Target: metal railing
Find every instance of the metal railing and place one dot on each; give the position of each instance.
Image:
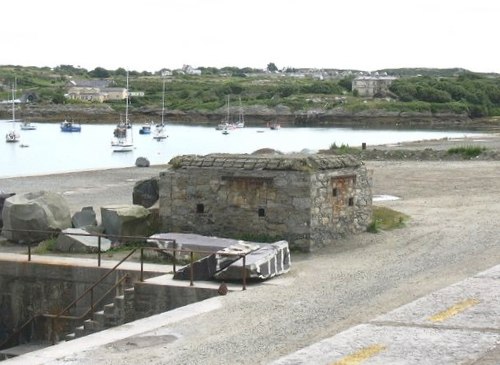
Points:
(90, 291)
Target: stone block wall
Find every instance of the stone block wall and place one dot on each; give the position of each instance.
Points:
(307, 200)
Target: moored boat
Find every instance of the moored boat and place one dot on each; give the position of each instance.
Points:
(27, 126)
(70, 126)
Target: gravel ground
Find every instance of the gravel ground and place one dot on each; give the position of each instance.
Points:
(452, 234)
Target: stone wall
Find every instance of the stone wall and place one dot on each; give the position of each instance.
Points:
(29, 288)
(263, 196)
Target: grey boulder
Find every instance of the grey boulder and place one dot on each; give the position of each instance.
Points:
(126, 222)
(80, 241)
(146, 192)
(42, 211)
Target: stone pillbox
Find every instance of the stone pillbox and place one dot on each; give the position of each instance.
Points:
(307, 200)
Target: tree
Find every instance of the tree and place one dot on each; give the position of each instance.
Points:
(271, 67)
(100, 73)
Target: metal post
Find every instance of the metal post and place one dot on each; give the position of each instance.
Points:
(191, 270)
(175, 257)
(53, 331)
(99, 251)
(29, 251)
(244, 273)
(142, 264)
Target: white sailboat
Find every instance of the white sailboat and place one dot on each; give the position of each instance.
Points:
(240, 123)
(159, 133)
(13, 135)
(123, 140)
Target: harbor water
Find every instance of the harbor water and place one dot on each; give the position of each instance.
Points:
(47, 150)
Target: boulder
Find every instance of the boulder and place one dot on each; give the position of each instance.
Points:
(41, 211)
(3, 196)
(122, 221)
(146, 192)
(84, 218)
(142, 162)
(79, 241)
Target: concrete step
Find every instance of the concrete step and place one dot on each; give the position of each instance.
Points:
(92, 326)
(70, 336)
(79, 331)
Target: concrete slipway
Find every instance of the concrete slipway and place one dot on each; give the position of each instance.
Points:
(459, 324)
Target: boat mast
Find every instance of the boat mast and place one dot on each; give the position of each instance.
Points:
(163, 102)
(13, 105)
(126, 106)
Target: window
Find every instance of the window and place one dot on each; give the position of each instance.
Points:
(200, 208)
(261, 212)
(351, 202)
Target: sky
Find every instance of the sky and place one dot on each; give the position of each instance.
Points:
(149, 35)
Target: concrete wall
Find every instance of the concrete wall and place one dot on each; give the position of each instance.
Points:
(150, 298)
(28, 288)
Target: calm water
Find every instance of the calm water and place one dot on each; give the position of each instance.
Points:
(49, 150)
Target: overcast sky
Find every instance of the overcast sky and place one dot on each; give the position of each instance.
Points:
(148, 35)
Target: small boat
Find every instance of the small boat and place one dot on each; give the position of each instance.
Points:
(159, 133)
(27, 126)
(240, 123)
(70, 126)
(123, 139)
(274, 126)
(225, 131)
(145, 129)
(13, 135)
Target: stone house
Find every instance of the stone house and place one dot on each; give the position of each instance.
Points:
(369, 86)
(308, 200)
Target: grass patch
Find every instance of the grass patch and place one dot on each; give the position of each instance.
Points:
(386, 219)
(44, 247)
(343, 149)
(467, 152)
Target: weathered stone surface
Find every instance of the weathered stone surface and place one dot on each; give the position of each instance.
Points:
(41, 211)
(309, 200)
(77, 240)
(263, 263)
(85, 217)
(120, 222)
(3, 196)
(146, 192)
(142, 162)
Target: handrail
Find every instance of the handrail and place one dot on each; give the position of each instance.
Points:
(74, 302)
(174, 250)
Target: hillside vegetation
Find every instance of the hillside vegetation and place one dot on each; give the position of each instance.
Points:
(432, 91)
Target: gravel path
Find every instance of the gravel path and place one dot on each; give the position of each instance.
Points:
(453, 233)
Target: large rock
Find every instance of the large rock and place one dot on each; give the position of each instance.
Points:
(84, 218)
(142, 162)
(79, 241)
(39, 211)
(3, 196)
(120, 222)
(146, 192)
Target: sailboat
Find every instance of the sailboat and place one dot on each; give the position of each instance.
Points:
(225, 124)
(13, 135)
(123, 138)
(159, 133)
(240, 123)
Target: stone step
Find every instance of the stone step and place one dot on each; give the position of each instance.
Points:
(79, 331)
(70, 336)
(92, 326)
